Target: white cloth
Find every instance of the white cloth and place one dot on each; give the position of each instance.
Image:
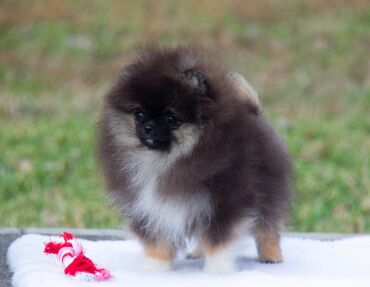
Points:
(307, 263)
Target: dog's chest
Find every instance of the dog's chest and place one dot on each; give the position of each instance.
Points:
(171, 216)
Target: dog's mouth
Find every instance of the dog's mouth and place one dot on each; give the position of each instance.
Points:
(156, 144)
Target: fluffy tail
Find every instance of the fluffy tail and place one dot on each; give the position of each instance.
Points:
(245, 91)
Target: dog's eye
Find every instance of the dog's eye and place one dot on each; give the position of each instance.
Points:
(172, 121)
(139, 114)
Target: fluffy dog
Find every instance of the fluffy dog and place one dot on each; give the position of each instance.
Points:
(186, 152)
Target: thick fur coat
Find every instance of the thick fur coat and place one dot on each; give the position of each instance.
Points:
(224, 171)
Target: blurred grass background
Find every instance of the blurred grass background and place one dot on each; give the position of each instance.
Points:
(309, 61)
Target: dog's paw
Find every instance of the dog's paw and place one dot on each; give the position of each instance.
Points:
(192, 256)
(195, 254)
(219, 267)
(158, 265)
(271, 258)
(270, 261)
(220, 263)
(219, 259)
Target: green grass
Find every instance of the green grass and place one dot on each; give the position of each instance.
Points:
(308, 60)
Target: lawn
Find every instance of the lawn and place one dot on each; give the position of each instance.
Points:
(309, 61)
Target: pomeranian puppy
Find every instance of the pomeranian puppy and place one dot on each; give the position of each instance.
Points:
(186, 153)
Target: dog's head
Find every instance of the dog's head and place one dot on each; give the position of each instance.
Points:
(158, 100)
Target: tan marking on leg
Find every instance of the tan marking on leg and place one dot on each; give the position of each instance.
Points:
(211, 249)
(158, 251)
(268, 246)
(158, 257)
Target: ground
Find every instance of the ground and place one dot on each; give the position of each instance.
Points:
(8, 235)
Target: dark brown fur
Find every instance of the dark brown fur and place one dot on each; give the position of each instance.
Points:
(239, 162)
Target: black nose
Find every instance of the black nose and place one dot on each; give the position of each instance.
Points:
(148, 127)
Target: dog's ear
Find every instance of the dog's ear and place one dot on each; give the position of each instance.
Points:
(127, 71)
(196, 79)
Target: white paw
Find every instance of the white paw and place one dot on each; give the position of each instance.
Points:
(220, 261)
(219, 265)
(154, 264)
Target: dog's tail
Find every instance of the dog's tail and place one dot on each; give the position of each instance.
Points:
(245, 91)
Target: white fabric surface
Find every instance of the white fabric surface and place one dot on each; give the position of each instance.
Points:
(307, 263)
